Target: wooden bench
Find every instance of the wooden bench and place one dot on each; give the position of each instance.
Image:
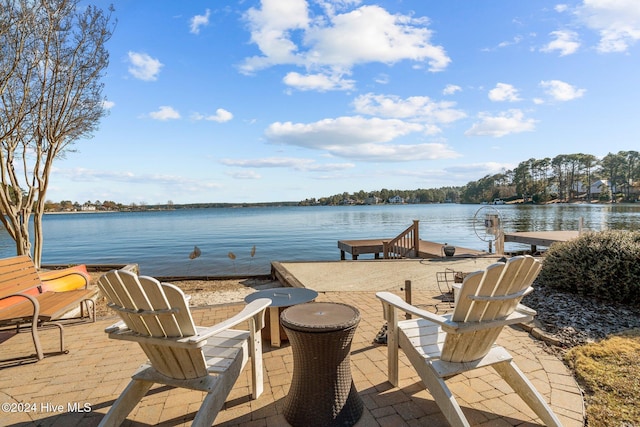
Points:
(24, 302)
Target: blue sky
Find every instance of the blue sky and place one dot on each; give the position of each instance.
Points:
(282, 100)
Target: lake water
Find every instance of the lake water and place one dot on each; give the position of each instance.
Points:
(161, 241)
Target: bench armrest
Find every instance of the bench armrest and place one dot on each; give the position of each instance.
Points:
(32, 299)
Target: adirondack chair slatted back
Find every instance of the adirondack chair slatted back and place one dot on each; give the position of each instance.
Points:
(156, 310)
(488, 295)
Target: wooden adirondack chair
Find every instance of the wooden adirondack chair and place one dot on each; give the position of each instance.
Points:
(440, 347)
(157, 316)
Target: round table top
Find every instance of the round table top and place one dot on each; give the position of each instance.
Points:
(320, 317)
(284, 297)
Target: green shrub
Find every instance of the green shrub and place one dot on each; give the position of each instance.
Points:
(604, 264)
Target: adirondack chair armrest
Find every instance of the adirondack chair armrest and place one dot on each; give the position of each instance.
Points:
(521, 308)
(399, 303)
(250, 310)
(119, 326)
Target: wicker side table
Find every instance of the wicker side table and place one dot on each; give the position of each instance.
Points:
(322, 392)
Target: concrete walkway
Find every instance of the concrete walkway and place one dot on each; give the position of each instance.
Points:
(372, 275)
(78, 388)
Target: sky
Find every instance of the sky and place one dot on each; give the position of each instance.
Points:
(284, 100)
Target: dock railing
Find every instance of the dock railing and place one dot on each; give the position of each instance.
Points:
(405, 245)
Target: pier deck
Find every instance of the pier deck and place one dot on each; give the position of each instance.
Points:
(429, 249)
(375, 246)
(540, 238)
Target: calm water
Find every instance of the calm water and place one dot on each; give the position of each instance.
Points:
(160, 242)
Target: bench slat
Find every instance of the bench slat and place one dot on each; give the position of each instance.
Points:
(17, 274)
(52, 306)
(55, 304)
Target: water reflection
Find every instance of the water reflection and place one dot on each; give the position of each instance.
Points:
(161, 241)
(567, 217)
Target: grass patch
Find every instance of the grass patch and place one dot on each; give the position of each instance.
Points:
(609, 372)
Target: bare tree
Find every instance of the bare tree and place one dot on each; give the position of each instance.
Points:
(52, 60)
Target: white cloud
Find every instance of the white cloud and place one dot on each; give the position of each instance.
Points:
(333, 43)
(382, 79)
(561, 91)
(505, 123)
(199, 21)
(330, 167)
(318, 82)
(163, 180)
(414, 108)
(340, 131)
(451, 89)
(143, 66)
(287, 162)
(566, 42)
(371, 34)
(332, 6)
(358, 138)
(165, 113)
(107, 105)
(504, 92)
(474, 170)
(516, 40)
(271, 28)
(617, 22)
(221, 116)
(269, 162)
(244, 175)
(397, 153)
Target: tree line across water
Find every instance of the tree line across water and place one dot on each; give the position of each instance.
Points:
(566, 177)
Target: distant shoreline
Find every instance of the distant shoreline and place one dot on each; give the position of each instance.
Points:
(147, 208)
(157, 208)
(80, 212)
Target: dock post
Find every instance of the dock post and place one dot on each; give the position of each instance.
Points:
(407, 296)
(416, 237)
(500, 243)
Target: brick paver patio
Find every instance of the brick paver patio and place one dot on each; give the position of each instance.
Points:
(78, 388)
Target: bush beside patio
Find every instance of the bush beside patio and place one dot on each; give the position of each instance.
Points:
(603, 265)
(589, 292)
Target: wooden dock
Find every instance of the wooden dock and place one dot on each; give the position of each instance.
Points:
(426, 249)
(430, 250)
(540, 238)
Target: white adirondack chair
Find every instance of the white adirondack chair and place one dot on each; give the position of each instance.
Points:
(440, 347)
(157, 316)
